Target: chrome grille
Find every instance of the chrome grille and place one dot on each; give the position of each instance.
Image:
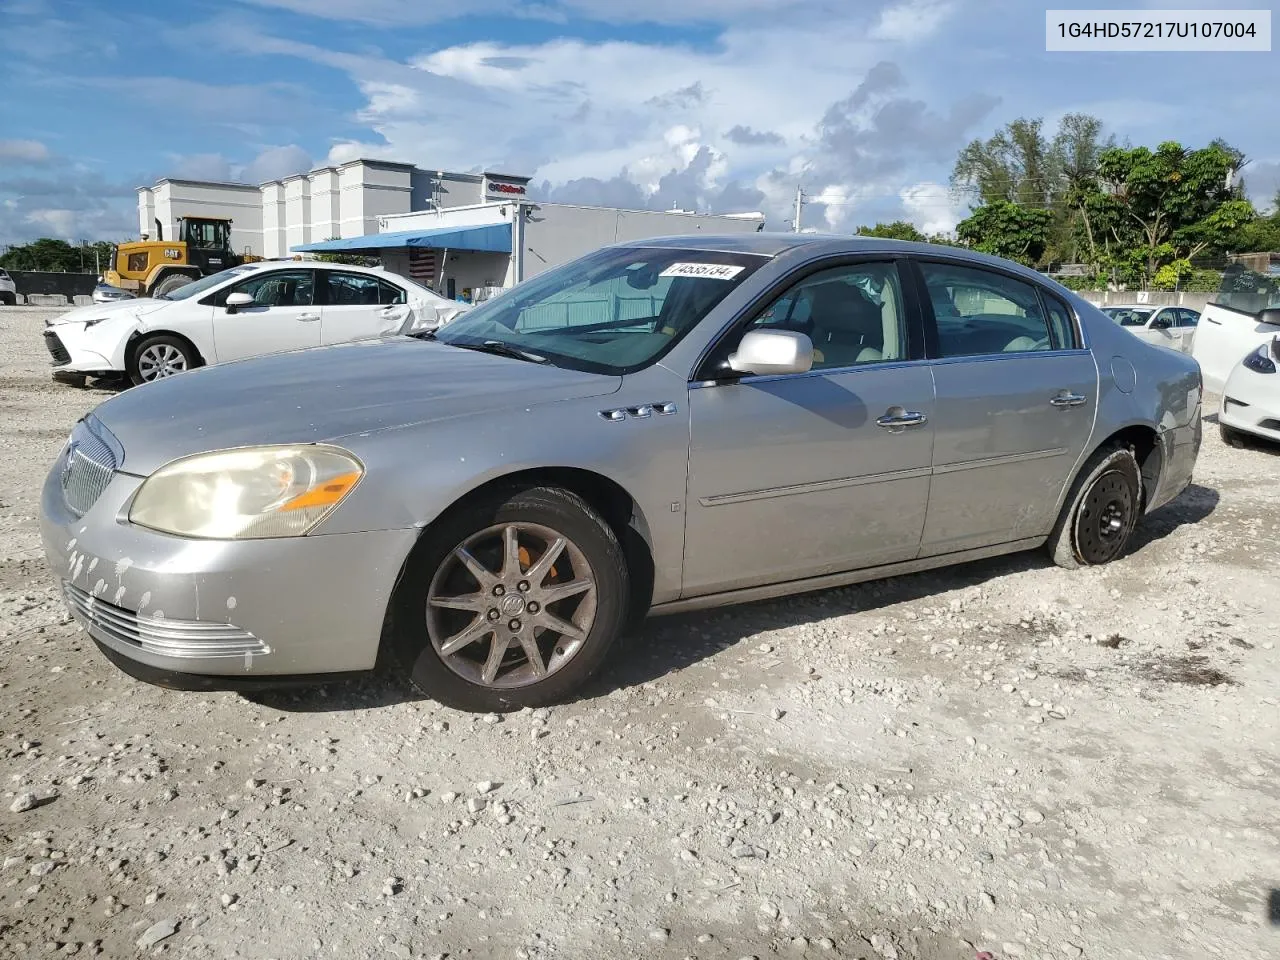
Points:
(185, 639)
(88, 468)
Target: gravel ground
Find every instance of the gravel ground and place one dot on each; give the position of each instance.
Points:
(1004, 757)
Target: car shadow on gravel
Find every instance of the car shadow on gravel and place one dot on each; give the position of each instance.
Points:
(666, 645)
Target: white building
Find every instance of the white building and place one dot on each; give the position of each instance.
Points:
(347, 200)
(465, 234)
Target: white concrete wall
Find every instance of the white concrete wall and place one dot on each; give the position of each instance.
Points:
(297, 212)
(371, 190)
(273, 220)
(326, 203)
(240, 202)
(146, 212)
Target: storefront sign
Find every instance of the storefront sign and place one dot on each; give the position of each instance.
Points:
(508, 188)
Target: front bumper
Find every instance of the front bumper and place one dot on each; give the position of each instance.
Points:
(1251, 403)
(69, 356)
(232, 610)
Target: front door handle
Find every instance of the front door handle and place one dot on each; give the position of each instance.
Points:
(907, 418)
(308, 317)
(1069, 400)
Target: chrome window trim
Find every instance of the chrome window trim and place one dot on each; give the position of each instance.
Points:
(823, 372)
(1012, 355)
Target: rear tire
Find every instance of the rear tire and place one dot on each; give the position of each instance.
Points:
(1101, 511)
(171, 283)
(161, 356)
(465, 620)
(1233, 437)
(9, 299)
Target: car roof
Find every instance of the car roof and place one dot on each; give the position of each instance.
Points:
(828, 244)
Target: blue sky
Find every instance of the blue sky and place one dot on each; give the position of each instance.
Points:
(706, 104)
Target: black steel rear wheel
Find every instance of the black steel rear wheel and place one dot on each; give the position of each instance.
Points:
(1101, 510)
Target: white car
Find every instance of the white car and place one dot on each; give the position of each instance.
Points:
(1251, 397)
(8, 290)
(246, 311)
(1244, 314)
(1172, 327)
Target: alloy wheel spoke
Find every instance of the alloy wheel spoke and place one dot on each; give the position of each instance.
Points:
(475, 567)
(497, 650)
(473, 602)
(510, 551)
(563, 627)
(471, 633)
(562, 591)
(530, 644)
(538, 572)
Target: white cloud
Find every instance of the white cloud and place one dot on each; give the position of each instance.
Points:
(276, 162)
(24, 151)
(932, 207)
(911, 20)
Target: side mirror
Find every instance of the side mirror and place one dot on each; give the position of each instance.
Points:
(237, 300)
(1270, 315)
(772, 352)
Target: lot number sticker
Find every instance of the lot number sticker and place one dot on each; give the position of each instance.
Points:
(711, 271)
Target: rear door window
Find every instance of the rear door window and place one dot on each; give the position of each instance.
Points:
(979, 312)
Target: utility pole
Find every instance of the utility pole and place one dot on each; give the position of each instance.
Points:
(799, 204)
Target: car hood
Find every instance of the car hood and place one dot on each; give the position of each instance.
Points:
(112, 309)
(311, 396)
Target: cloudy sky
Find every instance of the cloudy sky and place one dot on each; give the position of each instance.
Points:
(721, 105)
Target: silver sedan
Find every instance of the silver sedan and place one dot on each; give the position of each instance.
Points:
(656, 427)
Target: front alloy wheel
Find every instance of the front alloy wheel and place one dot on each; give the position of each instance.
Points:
(511, 599)
(159, 357)
(512, 605)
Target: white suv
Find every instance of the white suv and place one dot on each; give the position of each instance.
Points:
(8, 290)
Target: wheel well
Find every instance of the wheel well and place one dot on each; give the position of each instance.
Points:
(618, 508)
(138, 336)
(1146, 449)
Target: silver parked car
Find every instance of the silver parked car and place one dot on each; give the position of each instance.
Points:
(655, 427)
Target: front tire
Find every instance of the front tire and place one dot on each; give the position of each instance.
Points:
(1101, 511)
(1232, 437)
(512, 601)
(161, 356)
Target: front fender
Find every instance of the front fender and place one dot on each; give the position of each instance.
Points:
(413, 474)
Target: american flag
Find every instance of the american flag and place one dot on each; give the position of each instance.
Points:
(424, 265)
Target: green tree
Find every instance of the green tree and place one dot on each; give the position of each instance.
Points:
(898, 230)
(1007, 230)
(1168, 202)
(1017, 164)
(58, 256)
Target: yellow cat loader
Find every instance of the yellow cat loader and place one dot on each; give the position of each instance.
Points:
(153, 268)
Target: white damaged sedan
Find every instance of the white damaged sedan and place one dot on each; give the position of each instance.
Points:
(246, 311)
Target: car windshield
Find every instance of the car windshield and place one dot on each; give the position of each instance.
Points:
(197, 287)
(614, 311)
(1129, 316)
(1247, 291)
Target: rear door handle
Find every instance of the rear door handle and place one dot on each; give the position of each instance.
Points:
(308, 317)
(908, 418)
(1069, 400)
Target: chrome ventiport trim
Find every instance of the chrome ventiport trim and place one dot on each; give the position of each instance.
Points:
(159, 635)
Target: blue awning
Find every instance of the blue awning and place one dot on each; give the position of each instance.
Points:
(491, 238)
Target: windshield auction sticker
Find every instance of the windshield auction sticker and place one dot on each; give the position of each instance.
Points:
(1227, 31)
(711, 271)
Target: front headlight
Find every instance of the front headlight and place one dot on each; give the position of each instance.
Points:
(246, 494)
